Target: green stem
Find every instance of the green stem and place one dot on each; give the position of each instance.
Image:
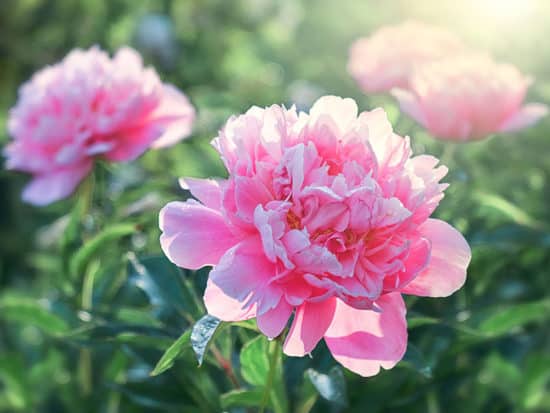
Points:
(274, 351)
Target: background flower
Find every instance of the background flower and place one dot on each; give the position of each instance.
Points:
(90, 106)
(468, 97)
(325, 215)
(387, 57)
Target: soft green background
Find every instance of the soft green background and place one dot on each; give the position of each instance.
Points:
(82, 328)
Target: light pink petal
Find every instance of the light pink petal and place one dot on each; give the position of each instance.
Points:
(176, 114)
(224, 307)
(243, 274)
(365, 340)
(249, 193)
(527, 116)
(410, 105)
(450, 256)
(208, 191)
(342, 111)
(193, 235)
(47, 188)
(274, 321)
(310, 324)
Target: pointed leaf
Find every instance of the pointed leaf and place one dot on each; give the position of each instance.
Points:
(331, 386)
(202, 333)
(242, 398)
(167, 359)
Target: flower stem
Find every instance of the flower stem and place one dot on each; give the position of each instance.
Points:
(273, 354)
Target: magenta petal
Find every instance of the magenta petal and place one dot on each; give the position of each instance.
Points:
(274, 321)
(365, 340)
(450, 256)
(208, 191)
(51, 187)
(224, 307)
(193, 235)
(528, 115)
(310, 324)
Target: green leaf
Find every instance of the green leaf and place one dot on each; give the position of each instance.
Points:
(416, 360)
(255, 370)
(163, 284)
(90, 248)
(502, 321)
(14, 387)
(202, 333)
(331, 386)
(255, 361)
(418, 321)
(515, 213)
(243, 398)
(167, 359)
(26, 310)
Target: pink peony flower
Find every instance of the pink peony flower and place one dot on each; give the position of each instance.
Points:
(386, 58)
(468, 97)
(325, 216)
(90, 106)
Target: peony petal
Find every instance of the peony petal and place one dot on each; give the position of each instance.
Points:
(528, 115)
(310, 324)
(365, 340)
(193, 234)
(243, 274)
(274, 321)
(342, 111)
(51, 187)
(410, 105)
(450, 256)
(131, 143)
(208, 191)
(176, 114)
(224, 307)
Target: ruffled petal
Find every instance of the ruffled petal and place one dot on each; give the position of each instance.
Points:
(175, 114)
(194, 235)
(528, 115)
(450, 256)
(208, 191)
(310, 324)
(224, 307)
(47, 188)
(410, 105)
(365, 340)
(272, 322)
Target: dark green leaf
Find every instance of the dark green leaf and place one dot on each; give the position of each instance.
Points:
(167, 359)
(202, 333)
(416, 360)
(331, 386)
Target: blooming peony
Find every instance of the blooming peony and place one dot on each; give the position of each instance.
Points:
(386, 58)
(90, 106)
(325, 216)
(468, 97)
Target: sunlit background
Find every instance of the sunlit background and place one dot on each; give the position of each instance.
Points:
(227, 55)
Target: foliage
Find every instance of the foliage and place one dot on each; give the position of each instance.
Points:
(94, 319)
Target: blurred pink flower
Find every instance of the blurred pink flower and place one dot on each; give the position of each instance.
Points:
(386, 58)
(90, 106)
(324, 215)
(468, 97)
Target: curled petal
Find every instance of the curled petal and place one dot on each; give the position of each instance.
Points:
(310, 324)
(208, 191)
(450, 256)
(50, 187)
(272, 322)
(224, 307)
(365, 340)
(193, 235)
(528, 115)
